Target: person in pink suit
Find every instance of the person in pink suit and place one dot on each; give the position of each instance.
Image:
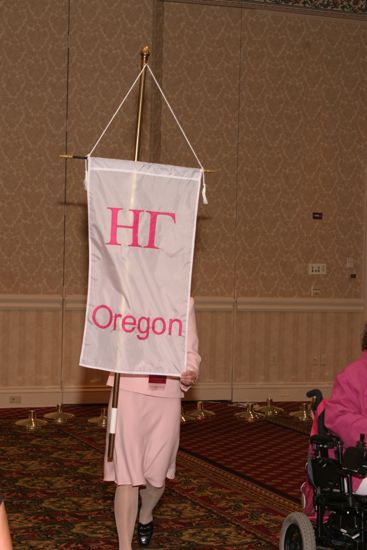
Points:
(146, 441)
(346, 410)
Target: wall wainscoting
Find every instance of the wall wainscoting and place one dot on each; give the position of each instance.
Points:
(251, 348)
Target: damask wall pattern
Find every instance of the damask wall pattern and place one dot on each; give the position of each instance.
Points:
(273, 101)
(105, 40)
(32, 118)
(302, 149)
(201, 78)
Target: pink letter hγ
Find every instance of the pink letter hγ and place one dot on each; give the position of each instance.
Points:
(115, 226)
(135, 226)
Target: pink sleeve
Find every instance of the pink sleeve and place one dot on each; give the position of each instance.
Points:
(345, 411)
(193, 357)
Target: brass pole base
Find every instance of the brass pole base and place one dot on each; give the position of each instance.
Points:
(31, 423)
(100, 420)
(183, 416)
(199, 413)
(249, 414)
(304, 414)
(269, 409)
(59, 417)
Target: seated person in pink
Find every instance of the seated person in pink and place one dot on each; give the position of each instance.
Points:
(346, 410)
(146, 441)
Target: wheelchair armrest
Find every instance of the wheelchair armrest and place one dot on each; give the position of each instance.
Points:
(353, 459)
(316, 396)
(325, 441)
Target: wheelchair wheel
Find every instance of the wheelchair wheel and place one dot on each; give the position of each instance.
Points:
(297, 533)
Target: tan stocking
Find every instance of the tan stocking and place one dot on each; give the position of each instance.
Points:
(149, 498)
(5, 540)
(126, 508)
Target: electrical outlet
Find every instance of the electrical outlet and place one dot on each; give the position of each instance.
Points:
(15, 398)
(317, 269)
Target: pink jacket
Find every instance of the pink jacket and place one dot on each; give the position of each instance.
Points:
(346, 410)
(172, 388)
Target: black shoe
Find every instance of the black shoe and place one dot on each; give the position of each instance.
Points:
(145, 532)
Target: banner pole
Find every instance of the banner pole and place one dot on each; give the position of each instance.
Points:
(145, 53)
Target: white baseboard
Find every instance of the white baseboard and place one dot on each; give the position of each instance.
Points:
(251, 393)
(277, 392)
(51, 397)
(209, 392)
(240, 393)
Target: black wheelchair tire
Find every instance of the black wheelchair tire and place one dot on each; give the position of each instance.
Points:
(299, 527)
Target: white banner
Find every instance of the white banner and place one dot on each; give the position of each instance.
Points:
(142, 220)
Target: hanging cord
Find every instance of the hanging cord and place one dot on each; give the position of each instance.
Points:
(117, 110)
(205, 201)
(146, 66)
(86, 178)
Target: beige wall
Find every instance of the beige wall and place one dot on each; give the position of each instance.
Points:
(272, 99)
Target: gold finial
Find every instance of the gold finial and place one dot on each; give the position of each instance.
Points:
(145, 52)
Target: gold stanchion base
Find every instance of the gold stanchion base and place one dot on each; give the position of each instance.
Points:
(60, 417)
(249, 414)
(100, 420)
(269, 409)
(184, 416)
(199, 413)
(304, 414)
(31, 423)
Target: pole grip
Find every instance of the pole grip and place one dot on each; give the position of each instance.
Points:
(113, 416)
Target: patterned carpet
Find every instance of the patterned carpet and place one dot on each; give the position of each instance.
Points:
(271, 453)
(51, 480)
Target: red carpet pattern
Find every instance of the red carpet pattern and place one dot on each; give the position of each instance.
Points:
(56, 499)
(269, 455)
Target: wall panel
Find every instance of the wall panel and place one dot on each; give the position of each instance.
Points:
(80, 384)
(251, 349)
(215, 321)
(302, 149)
(30, 349)
(285, 347)
(33, 121)
(200, 78)
(104, 60)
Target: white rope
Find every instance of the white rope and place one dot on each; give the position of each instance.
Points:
(117, 110)
(174, 116)
(205, 201)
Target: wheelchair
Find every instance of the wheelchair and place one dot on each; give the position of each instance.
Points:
(333, 516)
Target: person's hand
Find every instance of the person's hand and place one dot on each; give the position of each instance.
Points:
(188, 378)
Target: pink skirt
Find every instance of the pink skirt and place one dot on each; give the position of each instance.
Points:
(146, 440)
